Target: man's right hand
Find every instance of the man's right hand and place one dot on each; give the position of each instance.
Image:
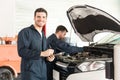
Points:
(47, 53)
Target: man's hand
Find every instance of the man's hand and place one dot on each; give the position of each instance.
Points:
(51, 58)
(47, 53)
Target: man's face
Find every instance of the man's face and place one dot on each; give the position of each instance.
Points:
(40, 19)
(62, 34)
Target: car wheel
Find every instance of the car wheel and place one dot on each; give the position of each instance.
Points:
(6, 74)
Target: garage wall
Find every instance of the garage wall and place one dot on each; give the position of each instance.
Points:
(7, 17)
(17, 14)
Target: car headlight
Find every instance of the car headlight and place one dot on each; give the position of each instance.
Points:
(94, 65)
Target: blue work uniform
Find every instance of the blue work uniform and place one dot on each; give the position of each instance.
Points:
(59, 46)
(30, 45)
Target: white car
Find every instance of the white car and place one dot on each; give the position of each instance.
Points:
(87, 21)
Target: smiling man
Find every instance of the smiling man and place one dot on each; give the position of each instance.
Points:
(32, 48)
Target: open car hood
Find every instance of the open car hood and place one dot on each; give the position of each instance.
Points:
(87, 21)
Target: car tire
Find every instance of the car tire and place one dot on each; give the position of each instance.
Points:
(6, 74)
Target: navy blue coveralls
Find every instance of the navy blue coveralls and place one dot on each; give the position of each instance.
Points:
(59, 46)
(30, 45)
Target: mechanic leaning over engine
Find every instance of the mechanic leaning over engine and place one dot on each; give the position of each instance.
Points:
(55, 41)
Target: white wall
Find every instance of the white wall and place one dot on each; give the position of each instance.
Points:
(7, 17)
(17, 14)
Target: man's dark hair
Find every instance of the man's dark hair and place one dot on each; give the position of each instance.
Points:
(61, 28)
(40, 10)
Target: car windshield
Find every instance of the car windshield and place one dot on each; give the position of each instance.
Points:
(110, 39)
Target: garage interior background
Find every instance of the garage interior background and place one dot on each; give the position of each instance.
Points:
(17, 14)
